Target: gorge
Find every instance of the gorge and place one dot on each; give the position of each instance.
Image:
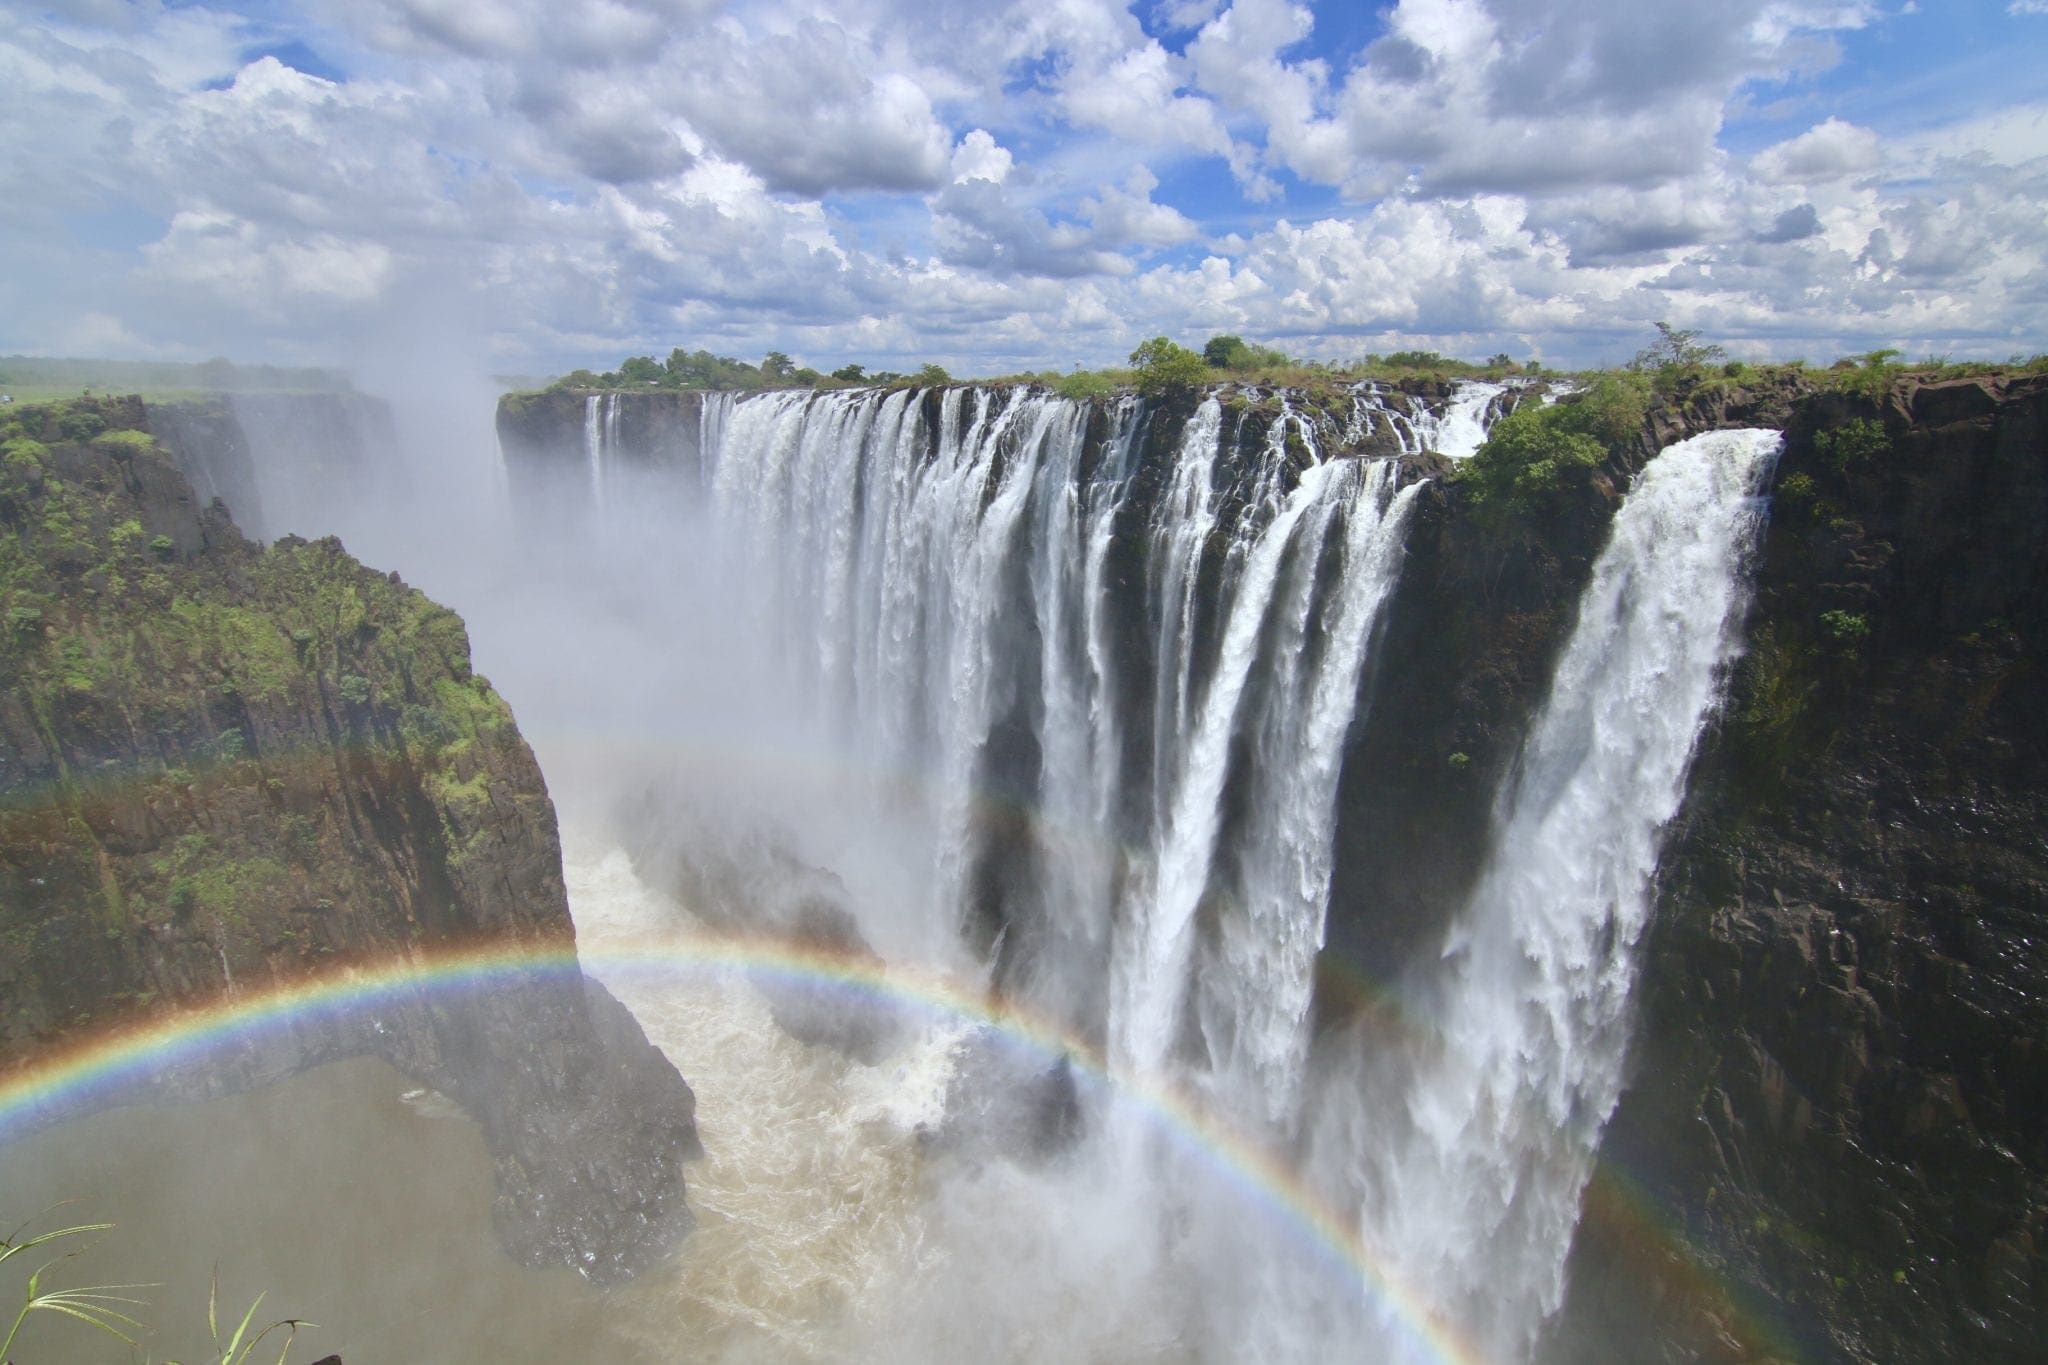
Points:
(1214, 886)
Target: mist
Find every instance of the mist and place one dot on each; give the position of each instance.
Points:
(844, 685)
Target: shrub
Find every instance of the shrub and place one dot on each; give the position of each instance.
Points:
(1797, 488)
(354, 688)
(1164, 367)
(125, 441)
(1083, 385)
(1523, 456)
(24, 453)
(1845, 627)
(80, 424)
(1531, 446)
(163, 547)
(1851, 443)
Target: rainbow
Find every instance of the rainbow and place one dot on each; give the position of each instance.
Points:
(97, 1071)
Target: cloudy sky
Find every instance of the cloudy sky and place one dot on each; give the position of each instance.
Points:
(1000, 184)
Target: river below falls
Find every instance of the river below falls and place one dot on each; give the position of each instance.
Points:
(353, 1199)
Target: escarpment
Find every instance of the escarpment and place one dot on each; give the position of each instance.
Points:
(227, 769)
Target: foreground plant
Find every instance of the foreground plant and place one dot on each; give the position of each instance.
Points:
(92, 1304)
(95, 1305)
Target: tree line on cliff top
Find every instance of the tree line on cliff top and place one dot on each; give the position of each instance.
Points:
(1158, 365)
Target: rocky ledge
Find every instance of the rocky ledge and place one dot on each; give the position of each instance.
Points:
(225, 769)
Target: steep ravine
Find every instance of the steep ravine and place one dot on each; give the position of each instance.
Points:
(226, 768)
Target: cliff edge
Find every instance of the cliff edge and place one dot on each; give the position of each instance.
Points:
(226, 768)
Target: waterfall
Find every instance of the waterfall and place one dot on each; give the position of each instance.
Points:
(937, 568)
(1460, 429)
(596, 420)
(1475, 1154)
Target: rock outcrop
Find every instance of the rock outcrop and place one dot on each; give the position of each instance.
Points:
(1833, 1147)
(225, 768)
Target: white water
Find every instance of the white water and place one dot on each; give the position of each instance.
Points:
(1471, 1161)
(940, 588)
(1460, 429)
(1105, 707)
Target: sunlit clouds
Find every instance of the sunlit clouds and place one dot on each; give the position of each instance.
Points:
(1029, 184)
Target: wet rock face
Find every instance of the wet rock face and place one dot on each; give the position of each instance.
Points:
(1836, 1141)
(225, 769)
(1846, 1003)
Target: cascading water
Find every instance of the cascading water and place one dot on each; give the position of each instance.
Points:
(1460, 429)
(595, 424)
(937, 567)
(1104, 673)
(1471, 1159)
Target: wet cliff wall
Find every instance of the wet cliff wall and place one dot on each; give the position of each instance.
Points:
(1833, 1143)
(280, 461)
(225, 769)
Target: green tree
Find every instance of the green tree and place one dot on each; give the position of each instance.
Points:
(641, 369)
(1227, 353)
(933, 375)
(776, 366)
(1163, 366)
(1530, 448)
(852, 374)
(1677, 348)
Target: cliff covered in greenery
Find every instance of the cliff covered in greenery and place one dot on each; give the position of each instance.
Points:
(225, 768)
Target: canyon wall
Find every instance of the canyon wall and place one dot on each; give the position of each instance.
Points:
(225, 768)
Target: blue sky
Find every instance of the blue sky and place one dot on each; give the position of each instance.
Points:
(1010, 184)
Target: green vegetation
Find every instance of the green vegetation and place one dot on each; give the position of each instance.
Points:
(1083, 385)
(702, 371)
(92, 1305)
(1845, 627)
(224, 658)
(1677, 349)
(96, 1305)
(1528, 451)
(1797, 489)
(1851, 443)
(1165, 367)
(34, 379)
(1235, 353)
(1678, 364)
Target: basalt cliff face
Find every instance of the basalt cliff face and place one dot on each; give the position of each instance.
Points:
(225, 769)
(280, 460)
(1832, 1147)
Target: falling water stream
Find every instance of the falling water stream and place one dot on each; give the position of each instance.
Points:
(1079, 689)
